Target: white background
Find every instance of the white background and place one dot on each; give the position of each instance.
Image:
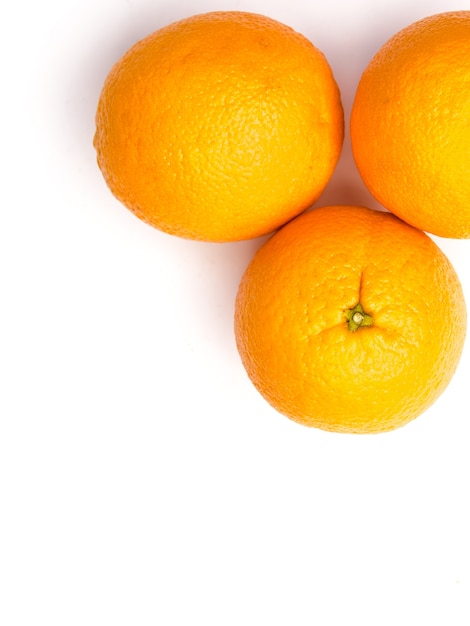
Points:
(143, 480)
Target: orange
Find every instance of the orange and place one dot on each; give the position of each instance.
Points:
(410, 124)
(350, 320)
(219, 127)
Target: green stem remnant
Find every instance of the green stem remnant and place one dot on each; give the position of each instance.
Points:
(358, 318)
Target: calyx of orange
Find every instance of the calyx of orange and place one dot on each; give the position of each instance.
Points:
(358, 318)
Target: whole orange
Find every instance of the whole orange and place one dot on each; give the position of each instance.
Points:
(410, 124)
(350, 320)
(219, 127)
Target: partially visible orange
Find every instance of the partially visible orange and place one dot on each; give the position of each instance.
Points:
(350, 320)
(410, 124)
(220, 127)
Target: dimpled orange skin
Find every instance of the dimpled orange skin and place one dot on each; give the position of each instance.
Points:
(299, 345)
(220, 127)
(410, 124)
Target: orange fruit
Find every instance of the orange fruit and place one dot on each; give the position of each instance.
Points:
(410, 124)
(350, 320)
(219, 127)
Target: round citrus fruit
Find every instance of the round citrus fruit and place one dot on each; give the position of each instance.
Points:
(219, 127)
(350, 320)
(410, 124)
